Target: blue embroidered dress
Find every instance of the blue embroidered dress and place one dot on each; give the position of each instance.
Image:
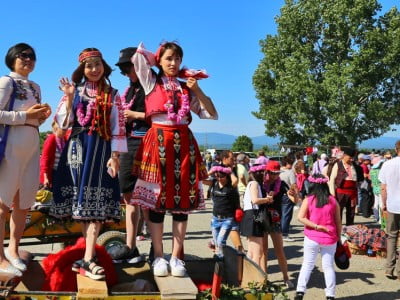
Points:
(82, 188)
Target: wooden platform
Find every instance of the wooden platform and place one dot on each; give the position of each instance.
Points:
(91, 289)
(176, 287)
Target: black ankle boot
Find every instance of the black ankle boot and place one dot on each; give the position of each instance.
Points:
(299, 296)
(330, 298)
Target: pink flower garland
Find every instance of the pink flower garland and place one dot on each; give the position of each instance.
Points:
(82, 118)
(319, 180)
(182, 112)
(127, 105)
(220, 169)
(258, 168)
(173, 85)
(277, 185)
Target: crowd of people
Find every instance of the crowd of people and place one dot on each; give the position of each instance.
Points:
(325, 190)
(139, 145)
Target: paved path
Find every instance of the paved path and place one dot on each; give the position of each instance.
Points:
(363, 280)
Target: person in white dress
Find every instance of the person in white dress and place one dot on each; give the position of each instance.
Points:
(19, 169)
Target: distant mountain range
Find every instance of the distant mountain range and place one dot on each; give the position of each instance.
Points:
(225, 141)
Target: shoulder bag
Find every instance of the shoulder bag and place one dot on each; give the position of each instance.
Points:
(4, 135)
(262, 217)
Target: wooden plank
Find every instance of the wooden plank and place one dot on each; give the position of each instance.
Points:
(176, 287)
(251, 273)
(91, 289)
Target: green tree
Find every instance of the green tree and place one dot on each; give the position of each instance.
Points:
(331, 73)
(243, 143)
(42, 137)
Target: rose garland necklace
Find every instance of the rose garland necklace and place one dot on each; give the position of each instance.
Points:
(84, 119)
(127, 105)
(172, 84)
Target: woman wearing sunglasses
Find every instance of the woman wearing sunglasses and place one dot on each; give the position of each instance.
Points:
(19, 169)
(225, 199)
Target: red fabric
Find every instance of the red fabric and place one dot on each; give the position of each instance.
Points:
(202, 284)
(239, 215)
(47, 157)
(300, 178)
(156, 100)
(59, 275)
(349, 187)
(187, 73)
(156, 162)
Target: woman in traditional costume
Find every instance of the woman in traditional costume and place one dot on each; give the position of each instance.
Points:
(85, 184)
(168, 164)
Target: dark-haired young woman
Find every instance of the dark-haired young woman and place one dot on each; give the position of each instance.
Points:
(85, 184)
(320, 213)
(19, 169)
(169, 164)
(225, 199)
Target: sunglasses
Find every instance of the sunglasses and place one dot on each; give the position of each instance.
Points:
(25, 56)
(220, 175)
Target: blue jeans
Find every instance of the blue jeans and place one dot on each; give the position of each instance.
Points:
(287, 214)
(220, 231)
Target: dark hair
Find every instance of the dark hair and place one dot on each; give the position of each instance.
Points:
(125, 68)
(172, 46)
(299, 155)
(225, 154)
(286, 160)
(320, 191)
(228, 176)
(259, 177)
(78, 74)
(14, 51)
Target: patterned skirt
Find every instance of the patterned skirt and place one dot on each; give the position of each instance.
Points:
(170, 169)
(82, 188)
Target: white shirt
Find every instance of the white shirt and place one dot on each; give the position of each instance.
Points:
(390, 175)
(247, 203)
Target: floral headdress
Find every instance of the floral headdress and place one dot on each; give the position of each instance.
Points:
(319, 180)
(221, 169)
(258, 168)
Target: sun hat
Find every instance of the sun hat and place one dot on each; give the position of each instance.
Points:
(125, 55)
(273, 166)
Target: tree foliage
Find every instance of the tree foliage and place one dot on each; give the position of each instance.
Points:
(331, 73)
(42, 137)
(243, 143)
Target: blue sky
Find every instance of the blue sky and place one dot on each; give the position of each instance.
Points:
(220, 36)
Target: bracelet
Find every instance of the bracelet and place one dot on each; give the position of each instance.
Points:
(316, 227)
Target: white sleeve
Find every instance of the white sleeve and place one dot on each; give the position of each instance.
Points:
(118, 130)
(143, 60)
(63, 118)
(9, 117)
(195, 107)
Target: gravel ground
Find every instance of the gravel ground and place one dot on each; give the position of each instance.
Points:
(363, 280)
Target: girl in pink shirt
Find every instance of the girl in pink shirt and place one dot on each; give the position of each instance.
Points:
(320, 214)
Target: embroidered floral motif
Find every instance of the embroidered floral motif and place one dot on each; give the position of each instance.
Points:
(22, 91)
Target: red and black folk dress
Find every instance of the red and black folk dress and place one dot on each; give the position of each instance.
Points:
(168, 164)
